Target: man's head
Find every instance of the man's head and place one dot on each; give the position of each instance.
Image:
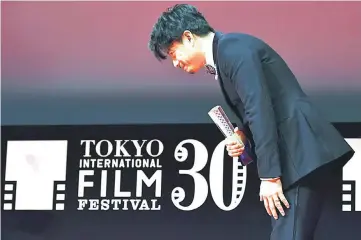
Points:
(178, 34)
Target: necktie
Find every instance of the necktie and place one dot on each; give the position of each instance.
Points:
(210, 69)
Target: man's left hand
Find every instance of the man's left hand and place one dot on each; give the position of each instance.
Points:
(271, 193)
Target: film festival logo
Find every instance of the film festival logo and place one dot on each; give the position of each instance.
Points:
(33, 170)
(115, 158)
(36, 172)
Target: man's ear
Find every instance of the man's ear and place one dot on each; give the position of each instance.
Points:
(188, 38)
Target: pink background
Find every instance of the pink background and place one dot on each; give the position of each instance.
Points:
(98, 50)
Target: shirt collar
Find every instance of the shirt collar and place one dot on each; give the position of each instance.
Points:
(208, 50)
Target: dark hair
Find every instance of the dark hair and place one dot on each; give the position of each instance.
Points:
(171, 25)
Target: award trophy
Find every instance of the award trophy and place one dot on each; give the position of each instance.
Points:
(225, 126)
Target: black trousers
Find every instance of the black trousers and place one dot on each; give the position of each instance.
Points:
(306, 199)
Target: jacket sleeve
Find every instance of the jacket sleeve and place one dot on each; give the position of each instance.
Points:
(244, 68)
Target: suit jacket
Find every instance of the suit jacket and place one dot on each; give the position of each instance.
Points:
(289, 136)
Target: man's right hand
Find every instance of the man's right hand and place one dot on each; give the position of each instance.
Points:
(235, 148)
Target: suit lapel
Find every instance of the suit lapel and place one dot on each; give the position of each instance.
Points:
(238, 112)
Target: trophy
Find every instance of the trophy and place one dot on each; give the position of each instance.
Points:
(220, 118)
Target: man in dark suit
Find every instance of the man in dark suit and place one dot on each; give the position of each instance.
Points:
(294, 146)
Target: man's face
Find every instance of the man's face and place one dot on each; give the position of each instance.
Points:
(187, 54)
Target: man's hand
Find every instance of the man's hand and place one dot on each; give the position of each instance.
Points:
(271, 193)
(235, 148)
